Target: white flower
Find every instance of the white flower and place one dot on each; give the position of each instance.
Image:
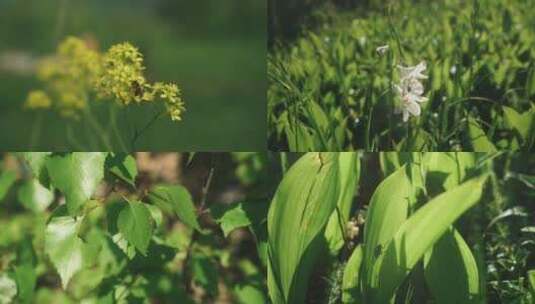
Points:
(410, 89)
(382, 49)
(453, 70)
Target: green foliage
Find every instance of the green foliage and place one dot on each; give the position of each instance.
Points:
(303, 203)
(176, 199)
(135, 224)
(330, 89)
(77, 175)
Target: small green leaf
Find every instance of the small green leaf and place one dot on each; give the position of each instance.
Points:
(521, 123)
(350, 283)
(135, 224)
(176, 199)
(478, 138)
(123, 166)
(62, 244)
(77, 175)
(240, 215)
(7, 178)
(34, 196)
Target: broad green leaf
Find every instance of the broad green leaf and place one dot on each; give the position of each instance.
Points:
(349, 168)
(478, 138)
(417, 235)
(7, 178)
(521, 123)
(448, 169)
(8, 288)
(62, 244)
(176, 199)
(350, 283)
(388, 210)
(123, 166)
(451, 270)
(34, 196)
(37, 163)
(77, 175)
(299, 211)
(135, 224)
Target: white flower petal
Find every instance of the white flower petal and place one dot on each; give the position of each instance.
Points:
(405, 115)
(413, 108)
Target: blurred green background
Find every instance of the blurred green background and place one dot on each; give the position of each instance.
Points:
(214, 50)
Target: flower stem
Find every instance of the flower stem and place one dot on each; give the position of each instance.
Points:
(36, 131)
(138, 133)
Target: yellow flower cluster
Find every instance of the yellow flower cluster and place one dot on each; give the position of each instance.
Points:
(76, 71)
(37, 100)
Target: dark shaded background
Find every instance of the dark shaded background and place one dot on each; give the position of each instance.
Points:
(215, 50)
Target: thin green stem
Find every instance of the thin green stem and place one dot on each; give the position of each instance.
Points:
(100, 132)
(36, 130)
(115, 129)
(138, 133)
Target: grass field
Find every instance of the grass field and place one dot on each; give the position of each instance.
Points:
(333, 88)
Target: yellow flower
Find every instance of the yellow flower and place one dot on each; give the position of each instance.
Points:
(122, 75)
(37, 100)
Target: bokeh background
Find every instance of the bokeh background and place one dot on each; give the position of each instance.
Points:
(214, 50)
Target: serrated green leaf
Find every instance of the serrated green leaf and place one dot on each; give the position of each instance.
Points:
(451, 270)
(34, 196)
(299, 211)
(123, 166)
(77, 175)
(7, 179)
(417, 235)
(37, 163)
(349, 164)
(62, 244)
(350, 283)
(531, 279)
(176, 199)
(135, 224)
